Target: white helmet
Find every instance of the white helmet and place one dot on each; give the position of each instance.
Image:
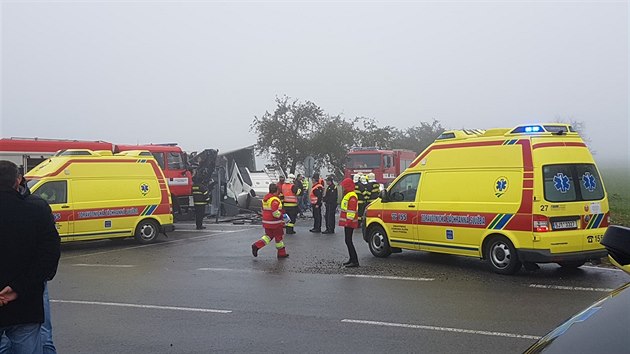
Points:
(291, 177)
(371, 177)
(364, 179)
(356, 177)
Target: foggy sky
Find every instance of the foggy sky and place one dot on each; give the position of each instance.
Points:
(197, 72)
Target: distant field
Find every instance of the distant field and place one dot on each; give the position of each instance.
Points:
(617, 182)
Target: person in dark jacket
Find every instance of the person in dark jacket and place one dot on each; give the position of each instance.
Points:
(201, 198)
(330, 200)
(29, 254)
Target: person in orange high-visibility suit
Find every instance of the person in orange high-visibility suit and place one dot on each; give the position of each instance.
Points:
(272, 220)
(349, 219)
(291, 190)
(316, 196)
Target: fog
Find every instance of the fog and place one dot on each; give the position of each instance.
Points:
(197, 72)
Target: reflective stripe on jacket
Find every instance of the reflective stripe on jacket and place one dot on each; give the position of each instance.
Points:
(349, 209)
(200, 195)
(272, 212)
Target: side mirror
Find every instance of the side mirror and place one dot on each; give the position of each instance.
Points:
(384, 196)
(617, 242)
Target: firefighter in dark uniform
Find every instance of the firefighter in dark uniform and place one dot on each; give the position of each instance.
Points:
(374, 187)
(201, 198)
(330, 200)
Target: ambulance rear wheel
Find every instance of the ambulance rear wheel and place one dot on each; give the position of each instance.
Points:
(502, 256)
(379, 244)
(147, 231)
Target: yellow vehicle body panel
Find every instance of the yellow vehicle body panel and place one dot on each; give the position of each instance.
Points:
(498, 183)
(96, 197)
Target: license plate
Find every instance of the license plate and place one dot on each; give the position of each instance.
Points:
(560, 225)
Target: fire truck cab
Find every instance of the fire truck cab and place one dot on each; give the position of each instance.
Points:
(385, 164)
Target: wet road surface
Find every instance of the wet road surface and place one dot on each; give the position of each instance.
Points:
(202, 291)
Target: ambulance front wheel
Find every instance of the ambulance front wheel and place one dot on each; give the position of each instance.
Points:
(147, 231)
(502, 256)
(379, 244)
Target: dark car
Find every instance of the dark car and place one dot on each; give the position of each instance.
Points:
(603, 327)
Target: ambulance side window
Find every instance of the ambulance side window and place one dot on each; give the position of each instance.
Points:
(405, 189)
(54, 192)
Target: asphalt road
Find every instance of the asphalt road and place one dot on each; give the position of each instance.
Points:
(203, 292)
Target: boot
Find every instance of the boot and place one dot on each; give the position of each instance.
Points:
(352, 265)
(346, 263)
(254, 250)
(290, 231)
(282, 253)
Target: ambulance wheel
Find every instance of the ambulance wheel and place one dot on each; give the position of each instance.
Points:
(571, 264)
(379, 245)
(147, 231)
(502, 256)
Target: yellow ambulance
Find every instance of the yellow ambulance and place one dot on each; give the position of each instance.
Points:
(526, 195)
(96, 195)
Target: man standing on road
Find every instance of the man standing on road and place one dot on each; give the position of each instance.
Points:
(349, 219)
(316, 194)
(330, 199)
(291, 190)
(29, 254)
(201, 198)
(272, 223)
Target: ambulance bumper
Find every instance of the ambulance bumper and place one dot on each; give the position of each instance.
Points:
(545, 256)
(168, 227)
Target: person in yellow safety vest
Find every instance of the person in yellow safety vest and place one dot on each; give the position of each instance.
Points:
(348, 219)
(201, 198)
(375, 187)
(291, 192)
(316, 195)
(303, 201)
(272, 220)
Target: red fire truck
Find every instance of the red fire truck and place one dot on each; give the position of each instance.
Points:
(28, 153)
(385, 164)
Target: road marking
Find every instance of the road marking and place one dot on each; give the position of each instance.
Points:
(603, 268)
(215, 233)
(104, 265)
(155, 307)
(443, 329)
(226, 269)
(386, 277)
(571, 288)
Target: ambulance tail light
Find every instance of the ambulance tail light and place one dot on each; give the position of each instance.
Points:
(541, 223)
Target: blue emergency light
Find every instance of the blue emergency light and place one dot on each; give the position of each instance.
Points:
(528, 129)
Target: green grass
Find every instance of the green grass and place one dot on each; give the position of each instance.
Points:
(617, 182)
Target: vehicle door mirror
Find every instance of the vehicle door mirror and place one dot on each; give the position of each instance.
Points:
(617, 242)
(384, 196)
